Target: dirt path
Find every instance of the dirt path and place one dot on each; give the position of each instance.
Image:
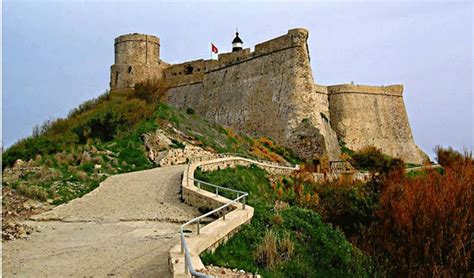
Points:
(123, 228)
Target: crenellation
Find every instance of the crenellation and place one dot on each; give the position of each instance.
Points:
(226, 59)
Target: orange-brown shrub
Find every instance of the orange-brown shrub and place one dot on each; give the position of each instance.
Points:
(425, 223)
(447, 156)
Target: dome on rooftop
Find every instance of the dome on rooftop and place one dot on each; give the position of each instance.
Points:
(237, 39)
(237, 43)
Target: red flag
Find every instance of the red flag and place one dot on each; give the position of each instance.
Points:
(214, 48)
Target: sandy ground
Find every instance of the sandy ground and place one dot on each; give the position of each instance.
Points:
(123, 228)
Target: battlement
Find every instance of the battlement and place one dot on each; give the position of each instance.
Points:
(193, 72)
(187, 73)
(294, 37)
(392, 90)
(137, 37)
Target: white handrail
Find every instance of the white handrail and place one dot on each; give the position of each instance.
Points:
(241, 195)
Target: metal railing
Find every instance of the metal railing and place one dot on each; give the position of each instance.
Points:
(240, 198)
(188, 266)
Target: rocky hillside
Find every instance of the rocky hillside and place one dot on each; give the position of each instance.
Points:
(118, 132)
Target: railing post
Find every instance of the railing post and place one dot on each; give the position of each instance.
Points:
(199, 226)
(199, 185)
(186, 270)
(243, 202)
(217, 191)
(187, 176)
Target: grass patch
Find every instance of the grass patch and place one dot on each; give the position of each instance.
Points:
(288, 242)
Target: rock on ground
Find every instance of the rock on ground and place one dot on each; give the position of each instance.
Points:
(223, 272)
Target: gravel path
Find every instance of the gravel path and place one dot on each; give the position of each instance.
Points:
(123, 228)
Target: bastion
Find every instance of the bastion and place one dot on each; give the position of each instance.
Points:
(271, 92)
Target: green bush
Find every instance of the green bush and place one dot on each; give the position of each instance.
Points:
(349, 207)
(318, 249)
(344, 148)
(371, 158)
(150, 91)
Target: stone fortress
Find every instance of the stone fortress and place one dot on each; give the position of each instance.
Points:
(271, 92)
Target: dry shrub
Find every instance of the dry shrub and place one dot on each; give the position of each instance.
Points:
(286, 247)
(71, 169)
(81, 175)
(425, 226)
(38, 158)
(48, 174)
(447, 156)
(278, 219)
(115, 162)
(61, 158)
(260, 148)
(280, 205)
(301, 177)
(32, 192)
(266, 142)
(151, 90)
(280, 192)
(98, 160)
(266, 253)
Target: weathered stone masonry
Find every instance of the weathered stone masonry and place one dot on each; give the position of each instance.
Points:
(271, 92)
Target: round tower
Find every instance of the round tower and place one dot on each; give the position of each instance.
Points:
(137, 58)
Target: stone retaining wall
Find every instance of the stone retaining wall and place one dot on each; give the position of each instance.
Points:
(217, 232)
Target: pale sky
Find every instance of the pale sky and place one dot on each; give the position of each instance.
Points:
(58, 54)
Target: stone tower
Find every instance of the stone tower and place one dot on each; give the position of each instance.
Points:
(137, 58)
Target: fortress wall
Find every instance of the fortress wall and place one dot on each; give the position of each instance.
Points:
(321, 94)
(272, 93)
(370, 115)
(185, 73)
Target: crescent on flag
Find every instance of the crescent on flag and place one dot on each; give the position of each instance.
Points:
(214, 48)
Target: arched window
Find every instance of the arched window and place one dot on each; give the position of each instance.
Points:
(129, 69)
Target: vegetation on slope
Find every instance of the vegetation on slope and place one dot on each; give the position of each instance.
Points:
(283, 240)
(408, 225)
(103, 136)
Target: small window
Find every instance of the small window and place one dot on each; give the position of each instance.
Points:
(188, 70)
(129, 69)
